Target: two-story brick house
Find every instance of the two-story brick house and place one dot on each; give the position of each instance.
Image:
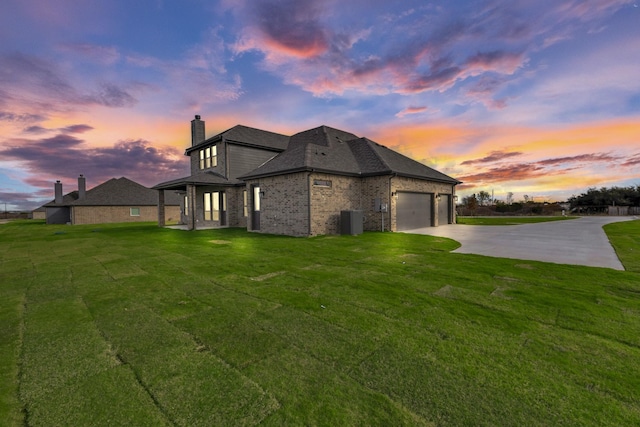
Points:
(299, 185)
(213, 195)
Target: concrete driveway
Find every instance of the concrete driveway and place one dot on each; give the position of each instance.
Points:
(579, 241)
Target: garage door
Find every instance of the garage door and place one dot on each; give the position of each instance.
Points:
(444, 209)
(413, 210)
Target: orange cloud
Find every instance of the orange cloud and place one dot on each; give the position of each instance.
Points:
(567, 158)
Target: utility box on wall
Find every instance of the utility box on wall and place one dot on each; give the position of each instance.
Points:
(351, 222)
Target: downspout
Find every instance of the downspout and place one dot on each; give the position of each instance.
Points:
(390, 196)
(309, 201)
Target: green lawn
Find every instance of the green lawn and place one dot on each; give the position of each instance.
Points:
(136, 325)
(508, 220)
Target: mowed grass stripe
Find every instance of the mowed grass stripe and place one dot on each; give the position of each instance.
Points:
(11, 327)
(190, 384)
(71, 376)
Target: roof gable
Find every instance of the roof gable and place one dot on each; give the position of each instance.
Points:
(246, 135)
(403, 165)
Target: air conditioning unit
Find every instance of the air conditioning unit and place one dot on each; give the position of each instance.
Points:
(351, 222)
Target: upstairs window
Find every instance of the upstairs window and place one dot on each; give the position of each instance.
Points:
(208, 157)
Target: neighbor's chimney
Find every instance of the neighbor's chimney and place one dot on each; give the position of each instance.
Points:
(58, 190)
(82, 187)
(197, 131)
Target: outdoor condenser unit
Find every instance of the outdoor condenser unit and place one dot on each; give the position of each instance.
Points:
(351, 222)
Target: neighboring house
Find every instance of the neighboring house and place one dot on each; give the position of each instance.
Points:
(39, 213)
(300, 185)
(115, 200)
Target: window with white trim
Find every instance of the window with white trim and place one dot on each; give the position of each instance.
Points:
(212, 206)
(208, 157)
(134, 211)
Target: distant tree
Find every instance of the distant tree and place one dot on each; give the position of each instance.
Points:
(619, 196)
(509, 197)
(470, 202)
(484, 198)
(526, 198)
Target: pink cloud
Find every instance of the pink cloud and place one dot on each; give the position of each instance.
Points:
(498, 61)
(589, 158)
(411, 110)
(632, 161)
(107, 55)
(291, 27)
(494, 156)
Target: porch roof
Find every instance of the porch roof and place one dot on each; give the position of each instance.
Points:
(200, 178)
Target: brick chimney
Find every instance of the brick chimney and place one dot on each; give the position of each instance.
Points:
(197, 131)
(58, 192)
(82, 187)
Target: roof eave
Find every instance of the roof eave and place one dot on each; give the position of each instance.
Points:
(216, 138)
(428, 178)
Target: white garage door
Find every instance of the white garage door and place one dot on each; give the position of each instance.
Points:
(413, 210)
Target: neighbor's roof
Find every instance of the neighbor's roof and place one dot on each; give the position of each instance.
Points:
(245, 135)
(117, 192)
(324, 149)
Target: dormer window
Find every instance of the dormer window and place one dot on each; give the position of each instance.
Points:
(209, 157)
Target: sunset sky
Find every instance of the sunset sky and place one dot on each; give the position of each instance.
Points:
(534, 97)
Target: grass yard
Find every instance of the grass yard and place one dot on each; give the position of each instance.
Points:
(508, 220)
(136, 325)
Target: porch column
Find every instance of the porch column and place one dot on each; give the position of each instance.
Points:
(161, 214)
(191, 201)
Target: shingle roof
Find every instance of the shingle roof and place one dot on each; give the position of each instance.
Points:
(200, 178)
(117, 192)
(245, 135)
(325, 149)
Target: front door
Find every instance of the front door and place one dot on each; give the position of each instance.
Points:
(255, 210)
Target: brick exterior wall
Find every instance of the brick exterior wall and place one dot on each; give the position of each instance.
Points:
(376, 187)
(39, 215)
(344, 194)
(112, 214)
(285, 207)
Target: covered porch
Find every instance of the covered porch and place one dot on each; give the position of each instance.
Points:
(209, 201)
